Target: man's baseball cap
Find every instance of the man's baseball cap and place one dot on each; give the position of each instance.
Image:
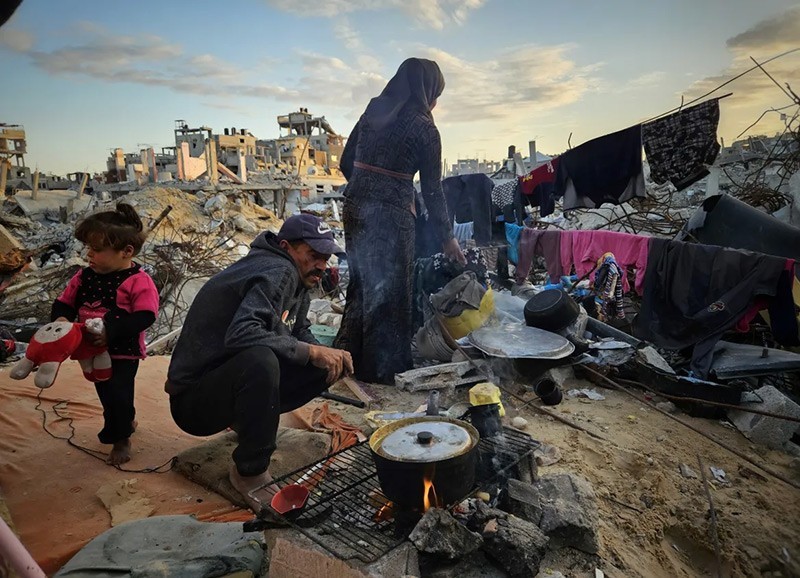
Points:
(312, 230)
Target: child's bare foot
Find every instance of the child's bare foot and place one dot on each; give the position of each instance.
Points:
(246, 484)
(120, 453)
(134, 425)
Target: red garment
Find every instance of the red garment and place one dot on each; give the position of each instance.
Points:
(584, 248)
(540, 175)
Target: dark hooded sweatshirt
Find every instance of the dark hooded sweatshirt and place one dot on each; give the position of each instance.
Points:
(257, 301)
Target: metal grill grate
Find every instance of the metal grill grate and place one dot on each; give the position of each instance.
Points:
(342, 511)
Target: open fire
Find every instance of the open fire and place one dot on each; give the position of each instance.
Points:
(429, 497)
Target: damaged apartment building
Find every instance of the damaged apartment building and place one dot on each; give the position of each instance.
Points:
(307, 149)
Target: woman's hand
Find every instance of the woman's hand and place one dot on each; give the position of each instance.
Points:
(452, 250)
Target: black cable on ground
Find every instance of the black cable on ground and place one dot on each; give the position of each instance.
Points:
(169, 464)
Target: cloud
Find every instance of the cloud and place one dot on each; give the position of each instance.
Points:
(16, 40)
(779, 33)
(754, 92)
(647, 80)
(148, 60)
(428, 13)
(517, 83)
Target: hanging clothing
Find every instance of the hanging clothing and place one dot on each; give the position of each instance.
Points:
(583, 248)
(546, 244)
(694, 293)
(538, 187)
(679, 146)
(608, 288)
(513, 233)
(604, 170)
(469, 199)
(503, 194)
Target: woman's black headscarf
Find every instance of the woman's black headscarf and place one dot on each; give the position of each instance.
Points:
(418, 83)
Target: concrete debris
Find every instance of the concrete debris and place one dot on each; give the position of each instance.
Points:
(440, 534)
(562, 376)
(437, 376)
(516, 545)
(687, 472)
(719, 474)
(586, 392)
(649, 356)
(769, 431)
(547, 455)
(475, 565)
(667, 406)
(519, 422)
(569, 512)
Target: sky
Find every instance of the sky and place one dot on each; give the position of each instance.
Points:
(86, 76)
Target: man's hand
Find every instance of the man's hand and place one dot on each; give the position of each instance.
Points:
(453, 251)
(337, 362)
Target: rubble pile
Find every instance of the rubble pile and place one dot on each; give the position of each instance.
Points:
(200, 235)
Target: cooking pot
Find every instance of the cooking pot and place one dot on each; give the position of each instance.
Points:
(551, 310)
(410, 451)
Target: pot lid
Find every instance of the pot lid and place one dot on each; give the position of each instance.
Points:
(516, 340)
(426, 441)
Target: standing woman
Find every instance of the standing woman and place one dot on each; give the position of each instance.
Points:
(393, 139)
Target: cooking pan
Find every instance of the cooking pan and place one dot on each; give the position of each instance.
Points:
(410, 451)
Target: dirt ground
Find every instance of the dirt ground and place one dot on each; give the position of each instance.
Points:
(654, 521)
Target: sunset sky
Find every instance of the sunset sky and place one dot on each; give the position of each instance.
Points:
(85, 76)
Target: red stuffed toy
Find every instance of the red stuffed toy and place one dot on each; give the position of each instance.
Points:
(53, 343)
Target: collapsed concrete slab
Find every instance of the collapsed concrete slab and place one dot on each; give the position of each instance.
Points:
(769, 431)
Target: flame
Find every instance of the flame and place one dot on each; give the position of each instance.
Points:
(385, 513)
(428, 490)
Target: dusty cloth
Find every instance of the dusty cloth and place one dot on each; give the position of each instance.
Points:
(258, 301)
(679, 146)
(463, 292)
(603, 170)
(53, 531)
(694, 293)
(584, 248)
(545, 243)
(433, 273)
(170, 547)
(318, 417)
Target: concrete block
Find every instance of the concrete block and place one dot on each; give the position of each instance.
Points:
(768, 431)
(440, 534)
(293, 555)
(569, 512)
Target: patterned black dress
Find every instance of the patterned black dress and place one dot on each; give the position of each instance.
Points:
(379, 229)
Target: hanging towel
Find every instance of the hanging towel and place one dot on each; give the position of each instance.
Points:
(584, 248)
(679, 146)
(604, 170)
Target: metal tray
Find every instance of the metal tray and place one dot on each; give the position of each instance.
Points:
(518, 341)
